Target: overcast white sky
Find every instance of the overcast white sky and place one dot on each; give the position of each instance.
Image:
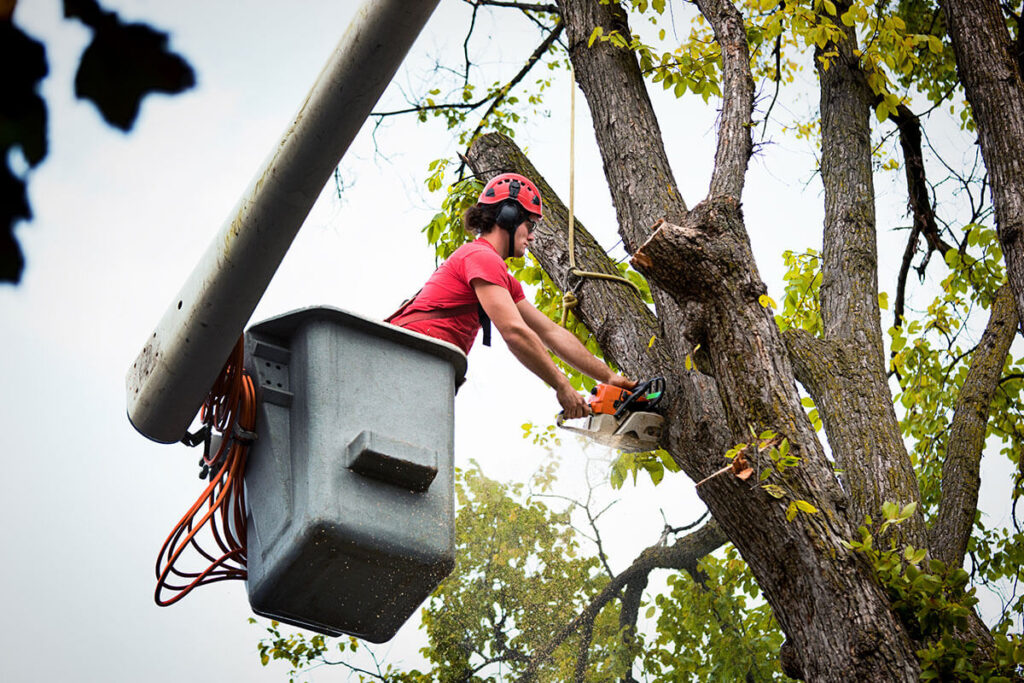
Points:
(120, 220)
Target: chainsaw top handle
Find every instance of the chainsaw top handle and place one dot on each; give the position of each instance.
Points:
(652, 390)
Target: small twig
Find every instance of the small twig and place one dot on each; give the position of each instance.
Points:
(531, 60)
(525, 6)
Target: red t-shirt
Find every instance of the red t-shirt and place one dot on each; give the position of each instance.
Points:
(450, 286)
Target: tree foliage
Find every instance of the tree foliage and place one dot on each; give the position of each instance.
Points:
(121, 65)
(943, 391)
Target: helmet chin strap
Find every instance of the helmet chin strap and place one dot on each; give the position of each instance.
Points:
(511, 232)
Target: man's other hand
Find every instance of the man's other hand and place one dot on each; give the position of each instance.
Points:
(621, 382)
(573, 403)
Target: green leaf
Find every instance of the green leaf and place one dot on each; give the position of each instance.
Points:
(806, 507)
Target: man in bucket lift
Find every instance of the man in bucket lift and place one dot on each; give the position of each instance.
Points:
(474, 288)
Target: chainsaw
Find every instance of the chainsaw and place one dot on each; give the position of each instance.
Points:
(623, 419)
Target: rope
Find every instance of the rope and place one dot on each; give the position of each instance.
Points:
(569, 299)
(230, 408)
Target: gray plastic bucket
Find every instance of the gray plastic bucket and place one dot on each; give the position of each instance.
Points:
(350, 481)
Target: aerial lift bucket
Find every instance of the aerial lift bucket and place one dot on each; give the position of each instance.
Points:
(350, 484)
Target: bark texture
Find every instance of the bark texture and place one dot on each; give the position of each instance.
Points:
(848, 376)
(990, 73)
(961, 477)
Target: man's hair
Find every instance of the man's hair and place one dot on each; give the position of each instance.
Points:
(480, 218)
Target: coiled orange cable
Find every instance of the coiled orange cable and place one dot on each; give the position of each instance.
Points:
(231, 404)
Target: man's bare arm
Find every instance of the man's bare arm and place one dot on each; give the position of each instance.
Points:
(526, 345)
(566, 346)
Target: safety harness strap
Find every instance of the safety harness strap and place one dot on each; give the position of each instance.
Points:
(434, 314)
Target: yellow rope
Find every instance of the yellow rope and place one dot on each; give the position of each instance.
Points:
(569, 299)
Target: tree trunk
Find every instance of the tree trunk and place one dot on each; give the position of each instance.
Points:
(991, 77)
(824, 596)
(707, 292)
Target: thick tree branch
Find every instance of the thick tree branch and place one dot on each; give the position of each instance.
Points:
(629, 137)
(961, 469)
(683, 555)
(855, 404)
(991, 77)
(629, 613)
(734, 141)
(643, 191)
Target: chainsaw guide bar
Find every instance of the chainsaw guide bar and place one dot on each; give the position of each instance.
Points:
(638, 433)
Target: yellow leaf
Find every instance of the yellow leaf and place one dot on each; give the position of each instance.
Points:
(804, 506)
(882, 112)
(766, 301)
(651, 343)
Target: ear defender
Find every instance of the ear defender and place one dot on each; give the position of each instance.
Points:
(509, 215)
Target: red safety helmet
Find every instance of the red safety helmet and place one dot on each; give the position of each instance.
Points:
(513, 186)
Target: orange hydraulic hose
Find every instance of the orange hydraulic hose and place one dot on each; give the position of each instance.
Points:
(230, 403)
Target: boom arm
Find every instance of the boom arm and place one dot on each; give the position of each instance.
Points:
(175, 369)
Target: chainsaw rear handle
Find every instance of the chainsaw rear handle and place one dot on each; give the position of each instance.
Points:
(653, 389)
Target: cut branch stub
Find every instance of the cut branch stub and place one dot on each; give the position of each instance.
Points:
(686, 260)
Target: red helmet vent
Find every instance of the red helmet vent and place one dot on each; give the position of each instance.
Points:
(515, 187)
